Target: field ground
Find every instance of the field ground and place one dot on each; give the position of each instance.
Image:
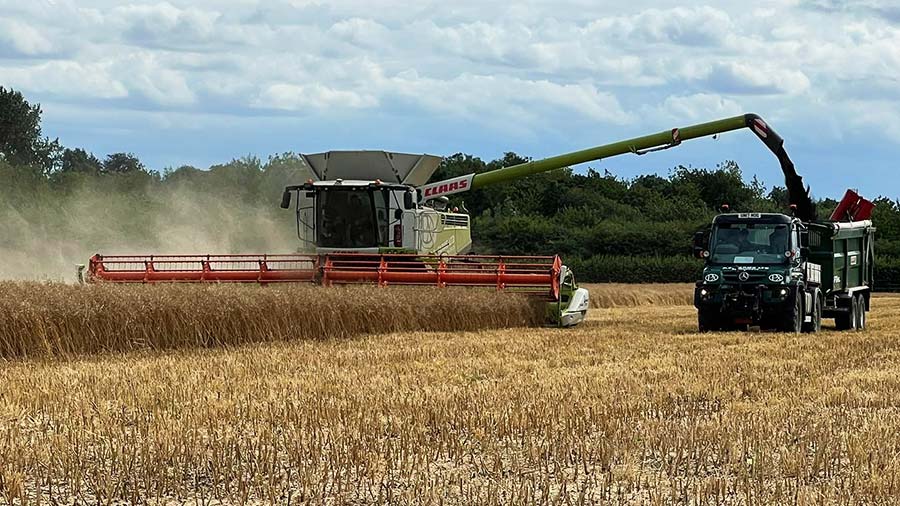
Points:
(632, 407)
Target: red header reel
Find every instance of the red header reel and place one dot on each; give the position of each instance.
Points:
(526, 274)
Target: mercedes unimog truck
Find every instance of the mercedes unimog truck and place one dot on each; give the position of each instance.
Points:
(787, 271)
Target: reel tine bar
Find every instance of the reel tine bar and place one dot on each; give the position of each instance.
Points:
(203, 268)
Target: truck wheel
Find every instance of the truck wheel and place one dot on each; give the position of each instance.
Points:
(708, 321)
(816, 324)
(793, 320)
(861, 313)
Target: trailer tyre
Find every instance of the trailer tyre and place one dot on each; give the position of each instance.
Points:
(860, 313)
(843, 321)
(847, 321)
(816, 324)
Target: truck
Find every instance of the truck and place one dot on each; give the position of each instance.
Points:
(787, 271)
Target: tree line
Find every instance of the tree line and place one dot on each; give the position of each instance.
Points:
(67, 203)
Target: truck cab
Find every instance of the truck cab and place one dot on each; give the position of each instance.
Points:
(757, 273)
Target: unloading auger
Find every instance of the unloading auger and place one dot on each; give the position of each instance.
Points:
(372, 217)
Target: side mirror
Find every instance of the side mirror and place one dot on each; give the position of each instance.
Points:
(804, 239)
(408, 200)
(286, 199)
(701, 244)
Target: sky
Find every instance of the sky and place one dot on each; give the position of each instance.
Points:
(203, 82)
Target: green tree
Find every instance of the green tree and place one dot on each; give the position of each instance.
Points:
(725, 185)
(80, 161)
(21, 141)
(122, 163)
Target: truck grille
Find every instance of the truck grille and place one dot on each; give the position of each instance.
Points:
(733, 277)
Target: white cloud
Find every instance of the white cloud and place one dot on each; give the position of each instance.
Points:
(533, 67)
(699, 106)
(687, 26)
(67, 79)
(493, 98)
(762, 78)
(147, 76)
(22, 39)
(363, 32)
(164, 25)
(293, 97)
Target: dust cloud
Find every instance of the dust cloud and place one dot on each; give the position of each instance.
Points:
(44, 237)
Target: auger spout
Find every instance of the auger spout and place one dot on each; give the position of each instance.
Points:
(798, 195)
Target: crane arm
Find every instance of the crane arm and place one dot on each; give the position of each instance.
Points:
(797, 193)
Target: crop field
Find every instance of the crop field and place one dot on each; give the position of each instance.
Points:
(633, 406)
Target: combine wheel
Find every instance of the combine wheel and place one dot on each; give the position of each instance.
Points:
(816, 324)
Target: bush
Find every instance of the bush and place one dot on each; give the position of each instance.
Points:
(686, 269)
(887, 274)
(636, 269)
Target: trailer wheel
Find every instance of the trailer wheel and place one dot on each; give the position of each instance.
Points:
(793, 319)
(860, 313)
(843, 321)
(847, 321)
(816, 324)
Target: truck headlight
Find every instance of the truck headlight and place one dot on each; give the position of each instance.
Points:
(704, 292)
(776, 278)
(712, 277)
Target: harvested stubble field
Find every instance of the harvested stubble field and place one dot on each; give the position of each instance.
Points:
(632, 407)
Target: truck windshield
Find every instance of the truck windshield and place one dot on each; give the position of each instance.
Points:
(750, 243)
(351, 217)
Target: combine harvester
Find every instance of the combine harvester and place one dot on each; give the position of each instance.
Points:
(372, 217)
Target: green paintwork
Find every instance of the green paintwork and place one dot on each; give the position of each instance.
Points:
(451, 240)
(555, 308)
(660, 139)
(845, 254)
